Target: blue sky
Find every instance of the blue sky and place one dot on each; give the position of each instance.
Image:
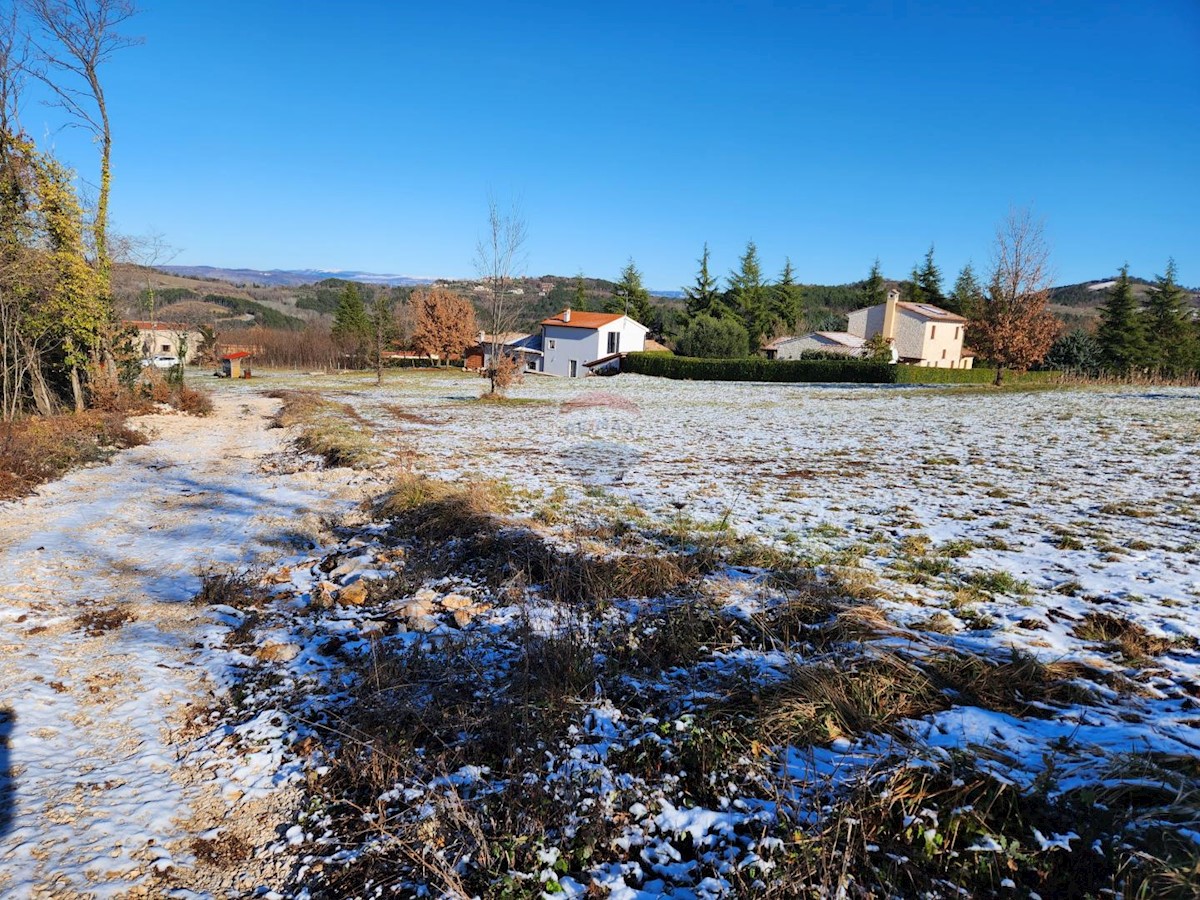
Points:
(367, 135)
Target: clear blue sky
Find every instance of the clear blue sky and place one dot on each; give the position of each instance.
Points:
(367, 135)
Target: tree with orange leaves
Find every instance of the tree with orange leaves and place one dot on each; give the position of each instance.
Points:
(1012, 328)
(444, 323)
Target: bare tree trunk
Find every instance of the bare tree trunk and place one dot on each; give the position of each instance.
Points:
(76, 389)
(42, 398)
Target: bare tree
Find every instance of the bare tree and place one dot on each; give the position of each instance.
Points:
(499, 255)
(14, 59)
(1013, 327)
(75, 38)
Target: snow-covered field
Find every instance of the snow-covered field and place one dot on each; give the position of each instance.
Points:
(1052, 534)
(1056, 529)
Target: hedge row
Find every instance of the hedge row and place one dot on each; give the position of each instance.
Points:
(754, 368)
(853, 371)
(928, 375)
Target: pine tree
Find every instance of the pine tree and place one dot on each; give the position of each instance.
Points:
(1122, 343)
(630, 297)
(787, 299)
(579, 299)
(967, 296)
(929, 280)
(912, 290)
(382, 321)
(1170, 341)
(351, 324)
(748, 295)
(874, 290)
(703, 298)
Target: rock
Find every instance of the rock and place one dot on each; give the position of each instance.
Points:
(416, 609)
(456, 601)
(273, 651)
(424, 623)
(350, 567)
(353, 594)
(373, 627)
(463, 617)
(425, 595)
(282, 576)
(322, 595)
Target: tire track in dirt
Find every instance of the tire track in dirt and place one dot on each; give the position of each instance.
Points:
(99, 648)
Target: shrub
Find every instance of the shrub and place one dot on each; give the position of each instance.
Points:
(756, 369)
(42, 448)
(929, 375)
(709, 338)
(192, 401)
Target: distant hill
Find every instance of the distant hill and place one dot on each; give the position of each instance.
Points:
(289, 277)
(239, 298)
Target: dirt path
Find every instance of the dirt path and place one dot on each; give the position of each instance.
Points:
(99, 650)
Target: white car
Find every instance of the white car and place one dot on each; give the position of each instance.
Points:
(162, 361)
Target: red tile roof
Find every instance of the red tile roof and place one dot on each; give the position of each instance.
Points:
(583, 319)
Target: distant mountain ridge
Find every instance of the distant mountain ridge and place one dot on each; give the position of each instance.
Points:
(290, 277)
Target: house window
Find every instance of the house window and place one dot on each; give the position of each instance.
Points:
(574, 368)
(166, 348)
(614, 340)
(550, 344)
(957, 331)
(943, 354)
(932, 331)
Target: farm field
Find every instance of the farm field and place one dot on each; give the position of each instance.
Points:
(627, 637)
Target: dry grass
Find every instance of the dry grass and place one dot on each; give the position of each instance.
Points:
(42, 448)
(822, 702)
(1129, 638)
(330, 430)
(95, 622)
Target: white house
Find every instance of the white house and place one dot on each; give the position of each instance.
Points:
(921, 334)
(793, 346)
(571, 340)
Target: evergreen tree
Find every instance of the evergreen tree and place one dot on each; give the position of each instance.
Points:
(874, 291)
(787, 299)
(382, 320)
(911, 289)
(928, 280)
(967, 296)
(1170, 338)
(630, 297)
(1076, 351)
(748, 295)
(1122, 343)
(579, 300)
(351, 324)
(703, 298)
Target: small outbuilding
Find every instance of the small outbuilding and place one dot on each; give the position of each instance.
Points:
(235, 365)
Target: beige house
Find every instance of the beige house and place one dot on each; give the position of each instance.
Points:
(796, 345)
(165, 339)
(921, 334)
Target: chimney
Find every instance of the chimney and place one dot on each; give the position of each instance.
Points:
(567, 314)
(482, 337)
(889, 315)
